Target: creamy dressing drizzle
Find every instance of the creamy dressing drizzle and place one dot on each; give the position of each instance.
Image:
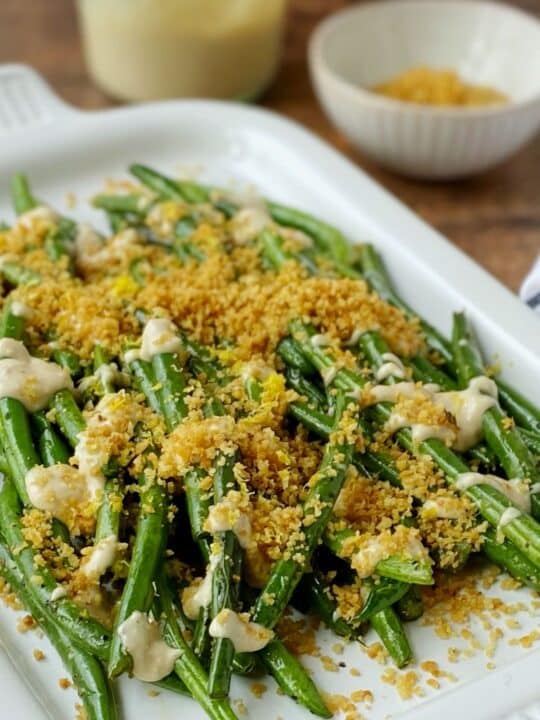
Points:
(28, 379)
(159, 336)
(40, 213)
(516, 490)
(246, 636)
(58, 489)
(226, 515)
(199, 594)
(370, 555)
(320, 340)
(255, 369)
(391, 366)
(419, 431)
(249, 222)
(355, 337)
(328, 374)
(58, 593)
(88, 245)
(19, 309)
(467, 406)
(101, 557)
(107, 374)
(444, 508)
(141, 638)
(92, 251)
(508, 516)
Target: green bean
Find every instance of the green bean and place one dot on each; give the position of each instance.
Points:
(59, 242)
(173, 684)
(321, 601)
(188, 667)
(383, 593)
(292, 678)
(169, 375)
(145, 558)
(200, 643)
(68, 415)
(169, 189)
(519, 407)
(86, 671)
(307, 389)
(531, 440)
(411, 606)
(52, 448)
(225, 582)
(382, 465)
(274, 253)
(108, 518)
(375, 273)
(392, 634)
(117, 221)
(327, 238)
(21, 195)
(507, 556)
(374, 348)
(11, 325)
(16, 274)
(198, 505)
(129, 203)
(145, 381)
(16, 438)
(101, 359)
(407, 570)
(69, 360)
(293, 357)
(426, 372)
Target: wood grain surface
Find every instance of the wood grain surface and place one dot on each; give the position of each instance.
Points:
(495, 218)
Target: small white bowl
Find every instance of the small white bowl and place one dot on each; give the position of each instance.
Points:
(486, 43)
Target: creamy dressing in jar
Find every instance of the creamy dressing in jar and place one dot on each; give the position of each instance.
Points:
(150, 49)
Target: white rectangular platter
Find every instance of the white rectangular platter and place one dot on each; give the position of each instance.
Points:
(63, 149)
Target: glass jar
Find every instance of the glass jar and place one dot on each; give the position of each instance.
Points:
(150, 49)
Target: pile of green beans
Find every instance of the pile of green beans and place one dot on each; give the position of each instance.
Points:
(148, 514)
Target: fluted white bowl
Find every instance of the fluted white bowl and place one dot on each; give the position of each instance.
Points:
(486, 43)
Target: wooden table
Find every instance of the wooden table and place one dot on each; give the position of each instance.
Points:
(495, 218)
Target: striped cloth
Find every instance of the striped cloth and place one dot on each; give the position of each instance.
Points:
(530, 290)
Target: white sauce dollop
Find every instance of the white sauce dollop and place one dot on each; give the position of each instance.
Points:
(516, 490)
(249, 222)
(199, 594)
(392, 366)
(246, 636)
(141, 638)
(226, 515)
(58, 593)
(159, 336)
(19, 309)
(28, 379)
(59, 489)
(40, 213)
(508, 516)
(467, 406)
(101, 557)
